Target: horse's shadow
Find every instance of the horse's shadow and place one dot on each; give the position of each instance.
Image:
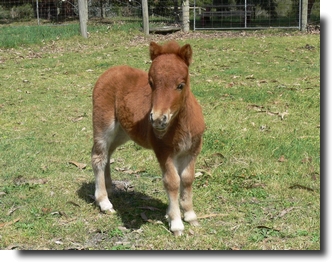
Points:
(134, 208)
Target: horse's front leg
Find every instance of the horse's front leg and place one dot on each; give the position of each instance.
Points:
(187, 175)
(171, 180)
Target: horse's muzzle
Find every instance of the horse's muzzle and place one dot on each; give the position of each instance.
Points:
(159, 123)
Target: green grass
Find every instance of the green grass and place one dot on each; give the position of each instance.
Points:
(18, 35)
(260, 182)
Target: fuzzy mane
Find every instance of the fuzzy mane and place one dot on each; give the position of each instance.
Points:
(171, 47)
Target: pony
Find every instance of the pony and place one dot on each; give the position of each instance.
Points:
(158, 111)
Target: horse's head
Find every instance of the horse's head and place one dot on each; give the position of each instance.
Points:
(169, 81)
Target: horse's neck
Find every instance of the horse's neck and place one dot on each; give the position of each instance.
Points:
(190, 117)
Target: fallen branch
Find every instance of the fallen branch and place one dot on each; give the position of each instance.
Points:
(295, 186)
(211, 215)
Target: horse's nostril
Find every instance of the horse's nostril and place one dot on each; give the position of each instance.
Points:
(151, 117)
(164, 119)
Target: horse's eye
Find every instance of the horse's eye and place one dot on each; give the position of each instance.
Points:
(151, 84)
(180, 86)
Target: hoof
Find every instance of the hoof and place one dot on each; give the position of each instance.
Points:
(106, 206)
(177, 227)
(109, 211)
(191, 218)
(194, 223)
(177, 233)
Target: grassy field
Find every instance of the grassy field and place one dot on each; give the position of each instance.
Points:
(258, 176)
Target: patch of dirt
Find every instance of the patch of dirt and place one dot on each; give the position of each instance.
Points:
(100, 240)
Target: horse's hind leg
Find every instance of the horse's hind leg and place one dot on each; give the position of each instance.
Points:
(105, 143)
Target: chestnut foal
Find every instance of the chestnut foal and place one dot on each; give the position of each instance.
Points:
(158, 111)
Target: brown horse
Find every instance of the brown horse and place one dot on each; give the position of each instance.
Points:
(158, 111)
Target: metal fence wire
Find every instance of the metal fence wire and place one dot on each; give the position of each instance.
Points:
(26, 10)
(250, 14)
(204, 14)
(64, 10)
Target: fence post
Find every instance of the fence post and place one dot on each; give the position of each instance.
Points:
(145, 17)
(83, 14)
(304, 14)
(185, 15)
(37, 11)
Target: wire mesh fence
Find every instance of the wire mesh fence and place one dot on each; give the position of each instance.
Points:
(250, 14)
(27, 10)
(63, 10)
(204, 14)
(161, 12)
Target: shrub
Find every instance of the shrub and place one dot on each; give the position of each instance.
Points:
(22, 12)
(4, 14)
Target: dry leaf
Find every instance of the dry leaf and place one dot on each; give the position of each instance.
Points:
(282, 159)
(156, 222)
(123, 229)
(9, 223)
(261, 109)
(256, 107)
(271, 113)
(77, 164)
(306, 160)
(264, 128)
(144, 217)
(20, 180)
(58, 242)
(282, 115)
(77, 119)
(11, 247)
(44, 167)
(122, 186)
(269, 228)
(191, 232)
(63, 214)
(201, 172)
(73, 203)
(285, 211)
(131, 172)
(313, 175)
(250, 77)
(46, 210)
(230, 84)
(213, 161)
(12, 210)
(255, 185)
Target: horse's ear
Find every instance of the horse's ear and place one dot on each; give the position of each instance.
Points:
(155, 50)
(186, 54)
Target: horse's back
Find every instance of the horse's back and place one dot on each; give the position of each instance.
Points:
(120, 78)
(123, 94)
